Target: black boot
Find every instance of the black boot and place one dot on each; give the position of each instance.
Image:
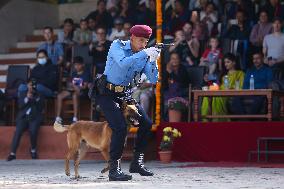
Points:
(137, 165)
(115, 173)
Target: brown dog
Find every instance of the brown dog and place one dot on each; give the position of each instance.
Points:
(95, 134)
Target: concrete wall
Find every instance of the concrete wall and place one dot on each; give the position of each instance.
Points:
(76, 10)
(20, 17)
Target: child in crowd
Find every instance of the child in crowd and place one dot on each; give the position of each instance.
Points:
(212, 58)
(83, 36)
(81, 77)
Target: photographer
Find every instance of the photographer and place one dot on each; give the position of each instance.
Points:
(46, 75)
(81, 78)
(186, 45)
(30, 115)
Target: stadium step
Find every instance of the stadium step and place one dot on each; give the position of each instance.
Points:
(2, 85)
(29, 44)
(22, 50)
(17, 61)
(3, 72)
(50, 145)
(17, 56)
(39, 31)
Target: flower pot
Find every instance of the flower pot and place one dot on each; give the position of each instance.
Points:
(165, 156)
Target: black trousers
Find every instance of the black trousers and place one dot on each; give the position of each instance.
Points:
(116, 120)
(237, 106)
(21, 125)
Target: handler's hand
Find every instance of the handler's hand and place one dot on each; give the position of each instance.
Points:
(153, 53)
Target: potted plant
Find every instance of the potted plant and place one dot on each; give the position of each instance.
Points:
(169, 134)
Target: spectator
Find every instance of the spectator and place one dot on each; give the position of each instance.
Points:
(143, 13)
(78, 88)
(259, 30)
(187, 30)
(99, 51)
(151, 19)
(117, 32)
(236, 78)
(187, 48)
(53, 48)
(111, 7)
(30, 115)
(275, 9)
(46, 75)
(101, 16)
(209, 17)
(212, 58)
(232, 7)
(65, 37)
(199, 4)
(175, 88)
(273, 46)
(262, 75)
(126, 28)
(200, 30)
(178, 17)
(241, 30)
(92, 27)
(126, 12)
(143, 93)
(83, 36)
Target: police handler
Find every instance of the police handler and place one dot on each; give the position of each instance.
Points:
(125, 60)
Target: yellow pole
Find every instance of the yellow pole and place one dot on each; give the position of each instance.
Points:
(159, 21)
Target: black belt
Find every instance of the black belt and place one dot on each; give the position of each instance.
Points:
(116, 88)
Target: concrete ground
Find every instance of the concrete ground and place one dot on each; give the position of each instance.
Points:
(34, 174)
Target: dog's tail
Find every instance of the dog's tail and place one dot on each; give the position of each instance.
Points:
(59, 127)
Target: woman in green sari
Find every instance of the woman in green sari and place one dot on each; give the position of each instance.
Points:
(235, 77)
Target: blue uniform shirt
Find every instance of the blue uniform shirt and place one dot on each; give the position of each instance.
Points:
(122, 64)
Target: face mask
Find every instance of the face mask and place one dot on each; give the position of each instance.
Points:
(42, 61)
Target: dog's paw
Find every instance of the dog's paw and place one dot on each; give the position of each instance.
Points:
(67, 174)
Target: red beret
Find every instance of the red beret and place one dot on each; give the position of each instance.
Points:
(141, 31)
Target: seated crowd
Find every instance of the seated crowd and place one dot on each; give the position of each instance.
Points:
(232, 40)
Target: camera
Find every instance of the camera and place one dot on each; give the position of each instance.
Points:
(34, 85)
(78, 82)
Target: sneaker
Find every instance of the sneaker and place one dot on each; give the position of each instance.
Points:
(74, 120)
(58, 120)
(11, 157)
(33, 154)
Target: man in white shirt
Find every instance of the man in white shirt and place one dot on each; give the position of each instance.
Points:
(273, 45)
